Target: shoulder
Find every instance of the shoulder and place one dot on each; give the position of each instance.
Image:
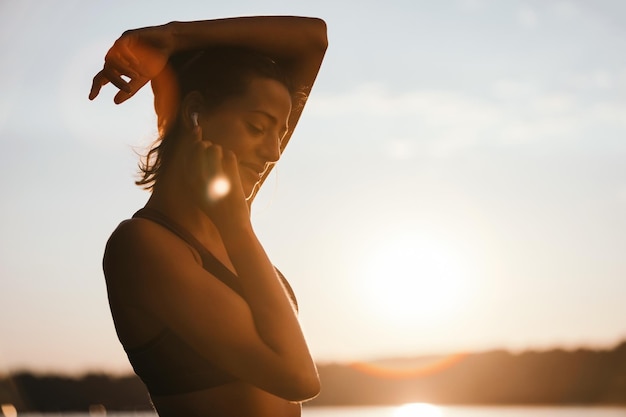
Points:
(135, 237)
(137, 245)
(143, 235)
(135, 230)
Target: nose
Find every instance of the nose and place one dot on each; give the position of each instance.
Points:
(270, 149)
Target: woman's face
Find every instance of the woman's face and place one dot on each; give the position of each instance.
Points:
(252, 126)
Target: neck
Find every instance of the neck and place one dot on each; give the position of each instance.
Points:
(172, 199)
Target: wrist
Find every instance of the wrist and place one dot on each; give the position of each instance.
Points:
(235, 233)
(228, 219)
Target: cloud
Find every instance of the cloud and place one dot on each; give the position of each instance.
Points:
(442, 123)
(377, 100)
(415, 122)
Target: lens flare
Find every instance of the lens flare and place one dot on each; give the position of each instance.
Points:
(427, 368)
(218, 188)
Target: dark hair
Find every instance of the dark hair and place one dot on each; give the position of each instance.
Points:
(217, 73)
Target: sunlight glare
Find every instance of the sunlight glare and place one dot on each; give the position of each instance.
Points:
(411, 278)
(418, 410)
(218, 188)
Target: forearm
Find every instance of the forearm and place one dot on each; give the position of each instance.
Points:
(297, 44)
(271, 307)
(275, 319)
(282, 37)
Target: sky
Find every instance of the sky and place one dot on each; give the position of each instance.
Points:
(456, 182)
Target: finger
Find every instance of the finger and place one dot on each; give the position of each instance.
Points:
(134, 86)
(123, 64)
(215, 153)
(128, 71)
(98, 81)
(198, 140)
(197, 133)
(110, 74)
(211, 160)
(115, 77)
(230, 164)
(122, 96)
(114, 59)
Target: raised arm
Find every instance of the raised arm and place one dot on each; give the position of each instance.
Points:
(298, 44)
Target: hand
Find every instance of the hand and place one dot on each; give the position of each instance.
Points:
(140, 55)
(213, 174)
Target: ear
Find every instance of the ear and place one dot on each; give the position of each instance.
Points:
(192, 103)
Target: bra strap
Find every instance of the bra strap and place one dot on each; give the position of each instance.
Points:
(209, 262)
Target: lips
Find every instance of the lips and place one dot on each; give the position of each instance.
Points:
(256, 168)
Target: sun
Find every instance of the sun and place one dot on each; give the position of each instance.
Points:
(413, 278)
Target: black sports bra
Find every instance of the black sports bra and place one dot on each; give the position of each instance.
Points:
(167, 364)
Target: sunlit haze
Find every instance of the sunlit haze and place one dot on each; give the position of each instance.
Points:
(457, 181)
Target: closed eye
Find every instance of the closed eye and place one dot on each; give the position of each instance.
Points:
(256, 130)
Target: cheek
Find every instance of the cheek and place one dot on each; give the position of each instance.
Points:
(228, 135)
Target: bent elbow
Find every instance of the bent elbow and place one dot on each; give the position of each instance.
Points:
(322, 37)
(310, 388)
(305, 386)
(318, 34)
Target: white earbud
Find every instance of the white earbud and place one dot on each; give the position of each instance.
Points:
(194, 119)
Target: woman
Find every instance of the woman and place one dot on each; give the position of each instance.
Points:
(207, 322)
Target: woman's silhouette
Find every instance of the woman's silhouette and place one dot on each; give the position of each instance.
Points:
(207, 321)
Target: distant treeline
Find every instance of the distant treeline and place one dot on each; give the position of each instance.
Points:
(52, 393)
(497, 377)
